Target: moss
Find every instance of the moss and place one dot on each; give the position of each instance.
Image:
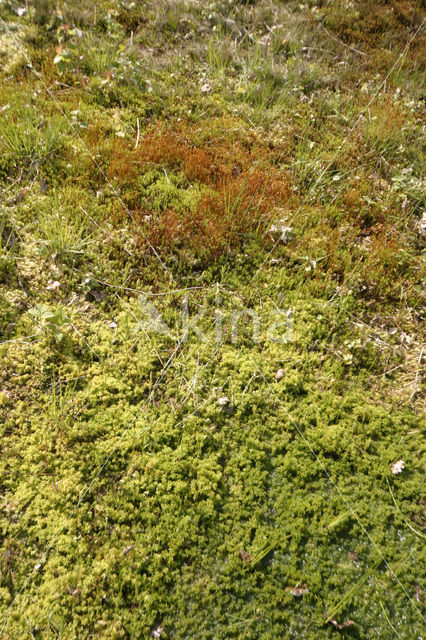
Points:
(183, 494)
(156, 479)
(160, 191)
(167, 530)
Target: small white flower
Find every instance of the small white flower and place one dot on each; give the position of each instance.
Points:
(206, 88)
(223, 401)
(157, 631)
(282, 229)
(279, 374)
(397, 467)
(53, 285)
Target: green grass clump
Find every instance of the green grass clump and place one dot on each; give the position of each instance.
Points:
(27, 139)
(64, 231)
(97, 56)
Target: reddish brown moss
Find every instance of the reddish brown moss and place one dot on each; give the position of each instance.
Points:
(242, 187)
(381, 25)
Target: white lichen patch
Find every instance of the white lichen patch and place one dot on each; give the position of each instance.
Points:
(12, 48)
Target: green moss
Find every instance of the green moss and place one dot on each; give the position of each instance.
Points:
(182, 495)
(179, 504)
(150, 478)
(161, 191)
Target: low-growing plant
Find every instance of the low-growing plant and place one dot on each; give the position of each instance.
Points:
(49, 320)
(7, 241)
(43, 10)
(220, 55)
(28, 138)
(195, 448)
(384, 127)
(64, 230)
(234, 190)
(377, 26)
(97, 56)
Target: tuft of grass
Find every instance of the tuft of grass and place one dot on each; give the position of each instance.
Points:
(384, 128)
(64, 231)
(97, 56)
(28, 139)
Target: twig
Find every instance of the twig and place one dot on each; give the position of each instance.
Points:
(102, 229)
(417, 375)
(341, 42)
(34, 335)
(137, 137)
(146, 293)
